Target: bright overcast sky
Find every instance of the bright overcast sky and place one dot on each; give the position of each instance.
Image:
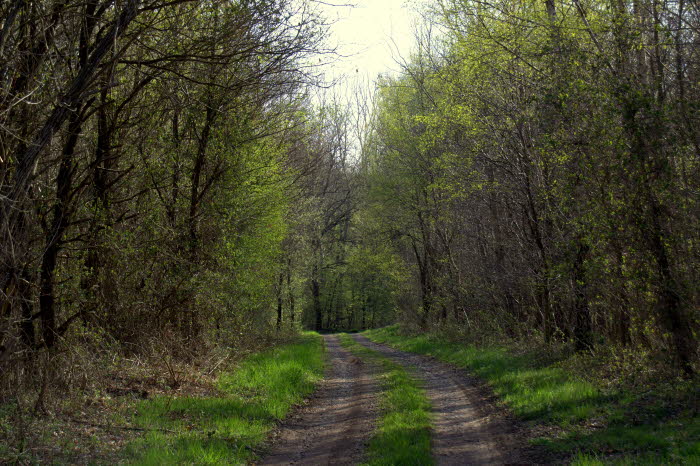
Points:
(370, 35)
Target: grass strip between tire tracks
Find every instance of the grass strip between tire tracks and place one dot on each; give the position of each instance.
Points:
(403, 434)
(597, 427)
(230, 429)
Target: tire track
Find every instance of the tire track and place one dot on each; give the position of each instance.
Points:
(464, 428)
(335, 426)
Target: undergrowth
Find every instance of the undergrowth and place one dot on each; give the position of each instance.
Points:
(76, 403)
(598, 423)
(230, 428)
(403, 435)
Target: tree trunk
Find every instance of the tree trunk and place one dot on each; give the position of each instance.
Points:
(670, 305)
(583, 337)
(54, 235)
(24, 292)
(290, 293)
(191, 319)
(364, 312)
(279, 301)
(316, 294)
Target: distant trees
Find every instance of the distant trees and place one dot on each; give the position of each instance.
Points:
(538, 167)
(347, 274)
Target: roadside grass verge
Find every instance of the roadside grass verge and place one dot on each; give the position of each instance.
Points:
(403, 434)
(542, 393)
(596, 425)
(232, 427)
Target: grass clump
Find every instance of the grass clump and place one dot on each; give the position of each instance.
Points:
(403, 435)
(229, 428)
(597, 426)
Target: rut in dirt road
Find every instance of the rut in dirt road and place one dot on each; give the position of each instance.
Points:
(336, 424)
(465, 430)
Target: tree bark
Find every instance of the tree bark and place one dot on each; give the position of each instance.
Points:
(290, 293)
(280, 282)
(54, 235)
(583, 337)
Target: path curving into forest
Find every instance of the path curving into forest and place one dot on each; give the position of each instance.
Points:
(334, 427)
(466, 427)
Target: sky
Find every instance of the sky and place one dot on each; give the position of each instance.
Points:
(370, 35)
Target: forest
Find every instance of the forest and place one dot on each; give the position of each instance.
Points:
(179, 186)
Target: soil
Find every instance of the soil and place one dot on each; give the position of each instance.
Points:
(334, 427)
(468, 428)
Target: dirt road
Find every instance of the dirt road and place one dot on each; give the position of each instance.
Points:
(336, 424)
(466, 428)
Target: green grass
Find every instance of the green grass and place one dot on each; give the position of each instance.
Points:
(670, 442)
(543, 393)
(403, 435)
(630, 429)
(232, 428)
